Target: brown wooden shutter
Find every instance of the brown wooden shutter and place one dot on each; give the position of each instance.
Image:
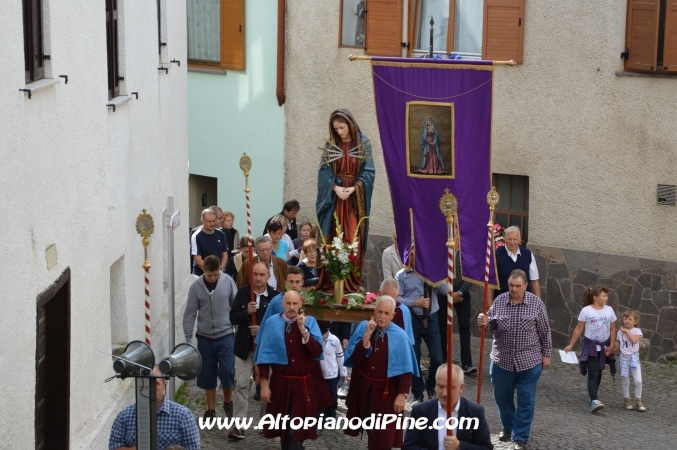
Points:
(642, 34)
(384, 28)
(232, 34)
(670, 45)
(503, 30)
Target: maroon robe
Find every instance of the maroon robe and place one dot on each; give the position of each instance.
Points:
(397, 318)
(368, 384)
(304, 394)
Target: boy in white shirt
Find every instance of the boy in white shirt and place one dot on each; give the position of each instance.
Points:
(332, 365)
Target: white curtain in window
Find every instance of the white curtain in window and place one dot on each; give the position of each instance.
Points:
(439, 11)
(354, 17)
(204, 30)
(468, 27)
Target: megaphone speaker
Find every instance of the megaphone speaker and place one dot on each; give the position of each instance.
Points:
(185, 362)
(137, 356)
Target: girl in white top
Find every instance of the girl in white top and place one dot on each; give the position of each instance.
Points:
(628, 342)
(599, 322)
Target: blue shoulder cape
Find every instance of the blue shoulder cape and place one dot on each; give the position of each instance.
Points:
(274, 308)
(272, 349)
(406, 318)
(401, 356)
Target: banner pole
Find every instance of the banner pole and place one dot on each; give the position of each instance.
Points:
(449, 206)
(246, 166)
(509, 62)
(492, 200)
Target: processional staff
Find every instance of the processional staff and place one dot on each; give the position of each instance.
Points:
(246, 166)
(492, 200)
(145, 227)
(449, 206)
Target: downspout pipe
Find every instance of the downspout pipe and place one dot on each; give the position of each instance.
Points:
(279, 89)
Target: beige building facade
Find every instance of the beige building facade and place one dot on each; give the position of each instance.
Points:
(594, 141)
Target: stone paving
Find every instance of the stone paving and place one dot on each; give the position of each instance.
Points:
(562, 419)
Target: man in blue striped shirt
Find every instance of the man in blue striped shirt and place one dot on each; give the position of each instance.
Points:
(175, 424)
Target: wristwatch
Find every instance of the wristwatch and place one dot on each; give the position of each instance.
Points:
(305, 331)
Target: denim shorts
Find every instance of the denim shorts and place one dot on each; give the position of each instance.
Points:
(218, 359)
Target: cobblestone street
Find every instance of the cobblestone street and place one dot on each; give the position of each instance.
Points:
(562, 419)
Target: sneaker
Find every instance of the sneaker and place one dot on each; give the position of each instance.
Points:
(236, 433)
(639, 405)
(209, 414)
(431, 395)
(228, 409)
(519, 445)
(627, 404)
(505, 436)
(596, 405)
(469, 369)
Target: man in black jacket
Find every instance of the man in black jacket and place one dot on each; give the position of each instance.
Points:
(471, 428)
(240, 315)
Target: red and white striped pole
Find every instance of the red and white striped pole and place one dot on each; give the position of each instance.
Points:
(246, 166)
(492, 200)
(449, 206)
(147, 290)
(145, 227)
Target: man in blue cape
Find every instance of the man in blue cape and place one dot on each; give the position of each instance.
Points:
(289, 346)
(381, 378)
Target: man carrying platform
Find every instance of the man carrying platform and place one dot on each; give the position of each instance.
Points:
(383, 360)
(290, 344)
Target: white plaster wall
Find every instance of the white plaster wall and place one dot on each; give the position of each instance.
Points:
(594, 144)
(75, 174)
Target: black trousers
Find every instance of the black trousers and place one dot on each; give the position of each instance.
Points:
(463, 311)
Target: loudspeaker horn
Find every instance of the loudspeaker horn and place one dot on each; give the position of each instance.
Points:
(137, 357)
(185, 362)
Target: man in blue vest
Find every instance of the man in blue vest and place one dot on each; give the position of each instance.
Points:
(511, 257)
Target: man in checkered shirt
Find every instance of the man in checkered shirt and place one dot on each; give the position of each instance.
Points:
(175, 424)
(522, 347)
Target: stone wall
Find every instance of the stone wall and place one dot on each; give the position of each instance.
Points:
(646, 285)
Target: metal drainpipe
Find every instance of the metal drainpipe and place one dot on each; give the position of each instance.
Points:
(279, 91)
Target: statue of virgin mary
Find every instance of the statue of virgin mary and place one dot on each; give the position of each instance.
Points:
(344, 186)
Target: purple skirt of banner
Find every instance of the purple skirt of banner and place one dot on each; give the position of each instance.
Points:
(434, 118)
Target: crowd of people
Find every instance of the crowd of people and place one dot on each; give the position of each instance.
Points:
(297, 362)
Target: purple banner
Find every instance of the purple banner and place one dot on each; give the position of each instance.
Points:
(434, 117)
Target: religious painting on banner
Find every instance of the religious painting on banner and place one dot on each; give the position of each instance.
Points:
(434, 119)
(430, 143)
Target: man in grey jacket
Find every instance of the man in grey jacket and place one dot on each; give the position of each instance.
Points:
(210, 298)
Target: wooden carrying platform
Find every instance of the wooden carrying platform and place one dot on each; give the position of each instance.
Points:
(339, 313)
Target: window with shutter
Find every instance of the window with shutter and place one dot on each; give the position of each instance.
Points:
(353, 14)
(670, 40)
(503, 30)
(383, 28)
(33, 54)
(216, 34)
(642, 34)
(651, 36)
(112, 48)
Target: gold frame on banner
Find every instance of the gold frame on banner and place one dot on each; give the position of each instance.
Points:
(450, 164)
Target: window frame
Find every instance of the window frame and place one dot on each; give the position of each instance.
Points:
(222, 65)
(34, 45)
(509, 212)
(340, 33)
(414, 24)
(657, 65)
(112, 48)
